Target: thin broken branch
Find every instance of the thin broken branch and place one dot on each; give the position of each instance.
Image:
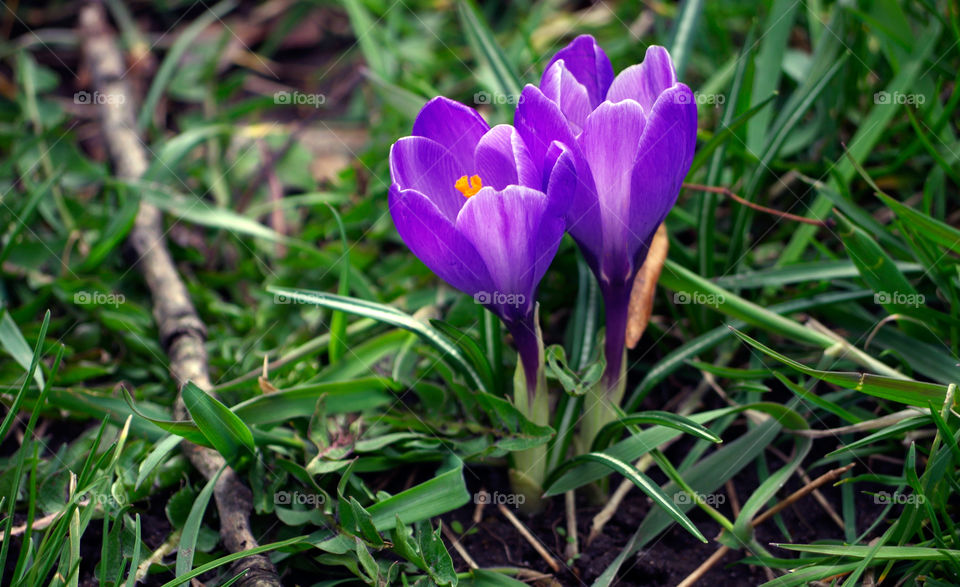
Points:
(182, 333)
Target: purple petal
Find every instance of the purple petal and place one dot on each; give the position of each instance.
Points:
(434, 240)
(646, 81)
(561, 182)
(559, 178)
(453, 125)
(502, 159)
(609, 143)
(589, 65)
(505, 230)
(422, 164)
(663, 160)
(539, 121)
(560, 85)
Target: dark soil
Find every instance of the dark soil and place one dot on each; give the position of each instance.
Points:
(668, 558)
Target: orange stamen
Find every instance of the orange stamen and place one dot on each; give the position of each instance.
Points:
(469, 187)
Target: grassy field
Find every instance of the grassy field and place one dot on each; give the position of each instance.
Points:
(291, 378)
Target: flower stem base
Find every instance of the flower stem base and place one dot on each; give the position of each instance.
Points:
(531, 399)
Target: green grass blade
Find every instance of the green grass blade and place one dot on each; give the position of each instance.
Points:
(768, 66)
(228, 434)
(882, 553)
(155, 457)
(870, 131)
(172, 60)
(338, 320)
(705, 477)
(445, 492)
(684, 33)
(680, 279)
(877, 268)
(339, 397)
(905, 391)
(637, 478)
(135, 561)
(31, 367)
(679, 357)
(185, 429)
(930, 228)
(188, 538)
(12, 341)
(487, 50)
(825, 271)
(656, 418)
(392, 316)
(366, 32)
(207, 567)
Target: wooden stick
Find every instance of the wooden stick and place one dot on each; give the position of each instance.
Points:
(529, 538)
(827, 477)
(880, 422)
(480, 504)
(570, 505)
(182, 333)
(705, 566)
(38, 524)
(734, 500)
(457, 546)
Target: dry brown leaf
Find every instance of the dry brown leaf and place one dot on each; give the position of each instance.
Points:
(266, 387)
(645, 285)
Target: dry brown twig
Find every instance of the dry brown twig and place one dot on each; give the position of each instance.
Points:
(809, 487)
(727, 192)
(455, 542)
(529, 537)
(570, 507)
(182, 333)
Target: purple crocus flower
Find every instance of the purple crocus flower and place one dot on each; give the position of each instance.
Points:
(633, 139)
(483, 215)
